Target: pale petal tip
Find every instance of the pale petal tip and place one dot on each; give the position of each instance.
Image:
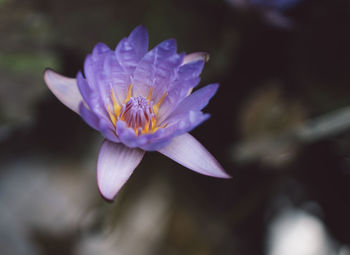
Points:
(107, 197)
(47, 72)
(187, 151)
(216, 171)
(223, 175)
(64, 88)
(196, 56)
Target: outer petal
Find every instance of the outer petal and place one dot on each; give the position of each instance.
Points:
(187, 79)
(64, 88)
(91, 98)
(187, 151)
(108, 130)
(116, 163)
(196, 101)
(88, 116)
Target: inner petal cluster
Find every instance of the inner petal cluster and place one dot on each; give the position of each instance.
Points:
(138, 114)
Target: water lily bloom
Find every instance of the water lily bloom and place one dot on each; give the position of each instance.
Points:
(140, 100)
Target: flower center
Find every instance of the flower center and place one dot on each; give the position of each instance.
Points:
(139, 113)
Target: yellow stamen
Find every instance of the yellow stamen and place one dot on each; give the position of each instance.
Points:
(150, 92)
(111, 115)
(116, 106)
(145, 128)
(156, 106)
(154, 125)
(128, 96)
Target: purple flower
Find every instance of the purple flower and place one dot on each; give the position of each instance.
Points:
(140, 101)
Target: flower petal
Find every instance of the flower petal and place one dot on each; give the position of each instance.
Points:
(93, 65)
(108, 130)
(89, 117)
(158, 68)
(128, 136)
(195, 56)
(64, 88)
(91, 98)
(187, 79)
(187, 151)
(196, 101)
(130, 50)
(116, 163)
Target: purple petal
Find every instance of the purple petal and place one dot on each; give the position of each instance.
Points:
(104, 73)
(179, 91)
(187, 121)
(93, 65)
(64, 88)
(130, 50)
(178, 126)
(108, 131)
(190, 70)
(193, 57)
(116, 78)
(196, 101)
(99, 49)
(89, 117)
(158, 68)
(95, 72)
(187, 79)
(116, 163)
(128, 136)
(83, 87)
(187, 151)
(91, 98)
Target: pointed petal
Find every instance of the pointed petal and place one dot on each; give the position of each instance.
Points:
(89, 117)
(117, 78)
(130, 50)
(197, 100)
(116, 162)
(64, 88)
(190, 70)
(158, 68)
(108, 130)
(179, 91)
(187, 151)
(187, 79)
(91, 98)
(100, 48)
(193, 57)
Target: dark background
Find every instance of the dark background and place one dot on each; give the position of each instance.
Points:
(273, 80)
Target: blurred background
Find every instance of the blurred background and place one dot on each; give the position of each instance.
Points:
(280, 126)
